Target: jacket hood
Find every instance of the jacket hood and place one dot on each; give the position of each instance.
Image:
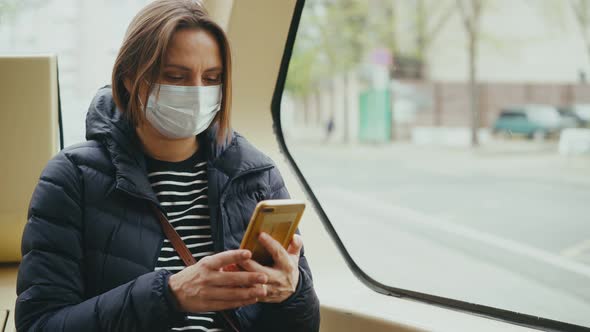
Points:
(104, 122)
(107, 124)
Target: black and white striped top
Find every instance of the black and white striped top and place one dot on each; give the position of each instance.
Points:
(181, 188)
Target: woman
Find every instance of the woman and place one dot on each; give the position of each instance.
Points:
(94, 255)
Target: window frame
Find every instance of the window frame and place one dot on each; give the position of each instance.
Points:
(521, 319)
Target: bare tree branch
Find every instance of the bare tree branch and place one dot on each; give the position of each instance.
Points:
(477, 7)
(577, 9)
(464, 15)
(442, 20)
(580, 9)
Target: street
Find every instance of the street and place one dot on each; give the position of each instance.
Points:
(506, 225)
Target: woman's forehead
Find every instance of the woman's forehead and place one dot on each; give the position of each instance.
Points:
(193, 48)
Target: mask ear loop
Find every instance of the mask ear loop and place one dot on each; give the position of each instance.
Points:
(143, 107)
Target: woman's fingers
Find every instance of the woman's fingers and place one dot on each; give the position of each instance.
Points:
(237, 279)
(217, 261)
(230, 268)
(205, 287)
(295, 246)
(275, 293)
(253, 266)
(232, 294)
(278, 253)
(284, 274)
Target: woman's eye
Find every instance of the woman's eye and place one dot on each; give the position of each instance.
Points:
(173, 78)
(215, 79)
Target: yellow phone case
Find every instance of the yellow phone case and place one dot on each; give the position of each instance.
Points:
(279, 218)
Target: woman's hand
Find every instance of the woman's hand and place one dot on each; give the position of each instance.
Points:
(204, 287)
(283, 276)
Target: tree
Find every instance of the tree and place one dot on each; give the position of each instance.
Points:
(430, 19)
(471, 11)
(328, 41)
(335, 35)
(556, 12)
(581, 9)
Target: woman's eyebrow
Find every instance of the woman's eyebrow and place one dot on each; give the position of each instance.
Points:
(214, 69)
(185, 68)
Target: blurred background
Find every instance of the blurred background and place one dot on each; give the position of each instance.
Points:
(497, 67)
(449, 144)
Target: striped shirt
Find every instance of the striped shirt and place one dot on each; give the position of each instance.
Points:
(181, 188)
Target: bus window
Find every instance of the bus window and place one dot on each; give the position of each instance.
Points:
(445, 144)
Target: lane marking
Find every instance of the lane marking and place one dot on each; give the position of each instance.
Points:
(410, 216)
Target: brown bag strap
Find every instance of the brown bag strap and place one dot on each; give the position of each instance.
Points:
(172, 235)
(184, 253)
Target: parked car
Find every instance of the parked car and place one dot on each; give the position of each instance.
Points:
(580, 111)
(569, 118)
(533, 121)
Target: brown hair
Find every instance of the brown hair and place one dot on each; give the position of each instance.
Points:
(143, 52)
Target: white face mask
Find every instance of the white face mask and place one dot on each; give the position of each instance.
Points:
(183, 111)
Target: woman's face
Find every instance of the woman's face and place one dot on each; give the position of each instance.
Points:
(193, 59)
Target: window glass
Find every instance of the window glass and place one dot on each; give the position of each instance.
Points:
(84, 34)
(392, 111)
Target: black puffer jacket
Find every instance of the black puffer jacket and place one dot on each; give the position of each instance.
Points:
(91, 242)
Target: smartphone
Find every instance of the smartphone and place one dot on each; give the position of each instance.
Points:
(279, 218)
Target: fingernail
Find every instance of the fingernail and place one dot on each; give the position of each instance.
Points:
(262, 279)
(246, 254)
(264, 290)
(264, 235)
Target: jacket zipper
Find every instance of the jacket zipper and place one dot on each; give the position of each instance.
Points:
(157, 204)
(219, 239)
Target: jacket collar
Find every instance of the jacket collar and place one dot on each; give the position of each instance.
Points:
(105, 123)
